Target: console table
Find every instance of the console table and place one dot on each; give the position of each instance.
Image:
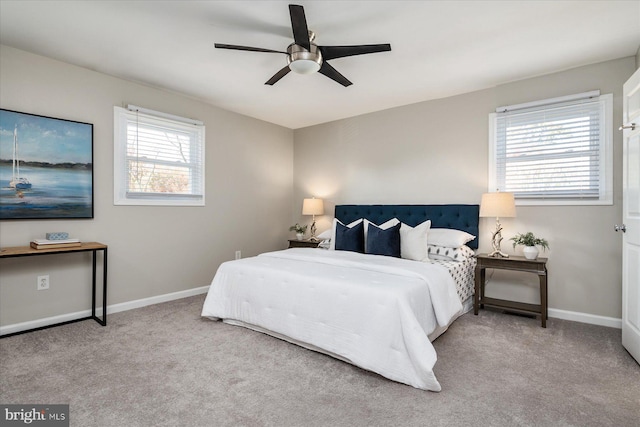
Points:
(515, 263)
(94, 247)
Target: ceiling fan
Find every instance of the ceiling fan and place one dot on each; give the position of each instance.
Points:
(305, 57)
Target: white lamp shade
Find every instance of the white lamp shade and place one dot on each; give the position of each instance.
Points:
(498, 205)
(312, 207)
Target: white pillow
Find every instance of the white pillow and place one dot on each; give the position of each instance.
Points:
(332, 246)
(450, 254)
(448, 237)
(413, 241)
(325, 235)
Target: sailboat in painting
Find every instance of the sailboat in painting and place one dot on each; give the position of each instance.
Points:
(17, 182)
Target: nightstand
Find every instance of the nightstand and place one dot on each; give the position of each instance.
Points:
(515, 263)
(295, 243)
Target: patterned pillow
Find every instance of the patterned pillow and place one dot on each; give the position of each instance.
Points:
(449, 254)
(325, 244)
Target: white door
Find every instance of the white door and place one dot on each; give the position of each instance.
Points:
(630, 227)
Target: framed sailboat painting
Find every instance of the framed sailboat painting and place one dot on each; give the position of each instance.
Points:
(46, 167)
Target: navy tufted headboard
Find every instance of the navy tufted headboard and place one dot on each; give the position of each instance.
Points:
(459, 217)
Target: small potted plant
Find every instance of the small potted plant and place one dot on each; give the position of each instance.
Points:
(530, 243)
(299, 229)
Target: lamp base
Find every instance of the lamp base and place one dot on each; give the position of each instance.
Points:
(313, 231)
(496, 238)
(498, 254)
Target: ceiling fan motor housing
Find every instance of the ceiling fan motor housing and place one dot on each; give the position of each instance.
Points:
(304, 61)
(305, 57)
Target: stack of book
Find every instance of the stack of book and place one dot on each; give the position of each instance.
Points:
(54, 244)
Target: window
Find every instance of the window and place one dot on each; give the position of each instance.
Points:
(554, 152)
(158, 159)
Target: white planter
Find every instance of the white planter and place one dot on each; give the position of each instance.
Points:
(299, 236)
(530, 252)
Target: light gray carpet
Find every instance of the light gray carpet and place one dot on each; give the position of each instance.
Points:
(166, 366)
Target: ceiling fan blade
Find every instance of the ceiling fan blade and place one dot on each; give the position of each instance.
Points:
(333, 52)
(299, 26)
(250, 49)
(333, 74)
(277, 76)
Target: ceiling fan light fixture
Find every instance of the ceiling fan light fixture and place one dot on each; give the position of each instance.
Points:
(304, 61)
(304, 66)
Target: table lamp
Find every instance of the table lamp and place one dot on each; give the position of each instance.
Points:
(497, 205)
(313, 207)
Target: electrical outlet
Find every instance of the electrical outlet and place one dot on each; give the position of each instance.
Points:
(238, 254)
(43, 282)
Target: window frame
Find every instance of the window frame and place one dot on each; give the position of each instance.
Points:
(605, 194)
(121, 118)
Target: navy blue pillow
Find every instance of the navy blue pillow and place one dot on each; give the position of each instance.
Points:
(350, 239)
(383, 242)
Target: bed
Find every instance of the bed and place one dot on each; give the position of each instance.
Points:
(377, 312)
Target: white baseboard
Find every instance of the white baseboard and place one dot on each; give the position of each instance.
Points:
(115, 308)
(130, 305)
(592, 319)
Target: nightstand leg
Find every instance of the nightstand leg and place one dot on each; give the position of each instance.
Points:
(479, 289)
(476, 296)
(483, 281)
(543, 300)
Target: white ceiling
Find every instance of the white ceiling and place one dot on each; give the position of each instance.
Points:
(439, 48)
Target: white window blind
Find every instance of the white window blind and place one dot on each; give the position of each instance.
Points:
(554, 152)
(158, 158)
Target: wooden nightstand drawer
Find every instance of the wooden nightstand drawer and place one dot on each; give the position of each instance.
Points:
(295, 243)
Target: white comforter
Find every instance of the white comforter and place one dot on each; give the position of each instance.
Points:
(374, 311)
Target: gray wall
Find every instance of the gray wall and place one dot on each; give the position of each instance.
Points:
(152, 250)
(430, 152)
(437, 152)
